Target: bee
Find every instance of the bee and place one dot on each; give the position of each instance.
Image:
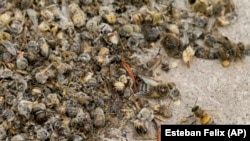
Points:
(137, 18)
(165, 66)
(16, 26)
(103, 51)
(237, 50)
(11, 47)
(206, 53)
(154, 89)
(158, 91)
(128, 29)
(20, 137)
(172, 45)
(162, 111)
(44, 47)
(21, 61)
(187, 55)
(5, 18)
(199, 116)
(174, 94)
(112, 38)
(145, 114)
(231, 52)
(99, 117)
(52, 100)
(71, 108)
(199, 5)
(156, 17)
(42, 75)
(110, 18)
(78, 16)
(205, 119)
(152, 34)
(81, 121)
(223, 7)
(39, 112)
(24, 108)
(119, 86)
(224, 56)
(143, 124)
(42, 134)
(140, 127)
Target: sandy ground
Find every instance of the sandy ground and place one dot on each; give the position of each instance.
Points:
(224, 92)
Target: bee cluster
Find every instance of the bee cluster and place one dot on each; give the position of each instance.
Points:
(70, 71)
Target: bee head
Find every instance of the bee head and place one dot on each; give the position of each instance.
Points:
(195, 108)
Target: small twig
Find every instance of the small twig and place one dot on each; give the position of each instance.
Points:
(130, 72)
(24, 37)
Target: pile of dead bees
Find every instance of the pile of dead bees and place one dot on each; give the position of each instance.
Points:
(70, 71)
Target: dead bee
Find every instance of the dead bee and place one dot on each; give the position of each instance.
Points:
(223, 7)
(172, 45)
(128, 29)
(39, 112)
(165, 66)
(119, 86)
(154, 89)
(110, 18)
(78, 16)
(140, 127)
(158, 91)
(142, 123)
(187, 55)
(199, 5)
(137, 18)
(152, 34)
(175, 94)
(224, 56)
(205, 119)
(99, 117)
(200, 114)
(162, 111)
(238, 50)
(206, 53)
(231, 52)
(165, 110)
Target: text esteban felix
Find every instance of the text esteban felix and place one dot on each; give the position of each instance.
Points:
(207, 132)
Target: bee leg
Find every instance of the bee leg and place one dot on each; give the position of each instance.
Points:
(3, 63)
(159, 52)
(158, 129)
(194, 122)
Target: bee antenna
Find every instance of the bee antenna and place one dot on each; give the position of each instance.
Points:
(196, 101)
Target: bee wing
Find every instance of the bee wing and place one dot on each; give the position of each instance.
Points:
(189, 120)
(142, 93)
(149, 81)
